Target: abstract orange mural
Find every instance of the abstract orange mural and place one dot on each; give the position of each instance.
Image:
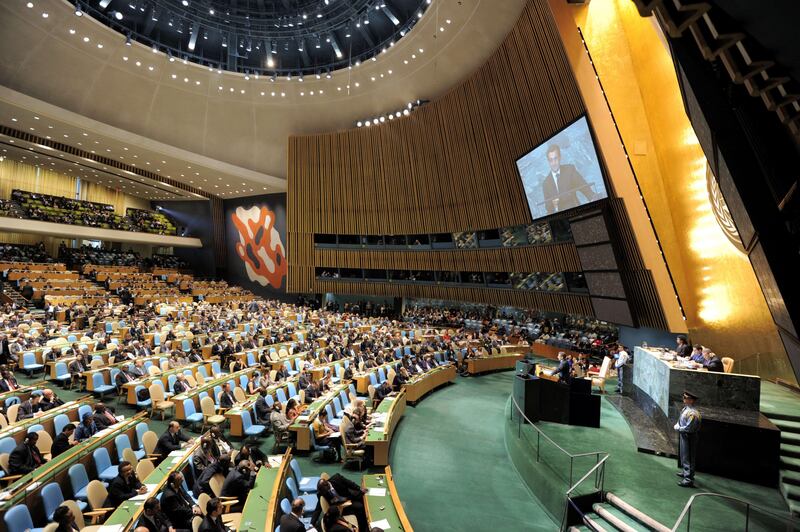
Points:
(260, 246)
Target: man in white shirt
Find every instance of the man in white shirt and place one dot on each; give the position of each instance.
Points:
(621, 358)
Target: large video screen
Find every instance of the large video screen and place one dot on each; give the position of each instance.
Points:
(563, 172)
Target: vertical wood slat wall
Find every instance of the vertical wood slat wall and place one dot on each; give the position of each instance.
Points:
(449, 166)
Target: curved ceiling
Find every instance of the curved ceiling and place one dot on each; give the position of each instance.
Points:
(131, 95)
(269, 37)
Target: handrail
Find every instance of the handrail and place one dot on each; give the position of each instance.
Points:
(687, 511)
(584, 477)
(570, 455)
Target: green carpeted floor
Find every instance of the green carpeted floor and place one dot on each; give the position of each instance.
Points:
(451, 466)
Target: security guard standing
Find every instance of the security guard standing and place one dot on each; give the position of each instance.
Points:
(688, 427)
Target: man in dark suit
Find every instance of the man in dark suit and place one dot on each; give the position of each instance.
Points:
(261, 408)
(202, 485)
(8, 382)
(25, 457)
(180, 385)
(303, 380)
(564, 369)
(103, 416)
(29, 407)
(62, 442)
(212, 522)
(124, 486)
(171, 440)
(292, 522)
(712, 361)
(123, 377)
(238, 484)
(339, 489)
(226, 398)
(561, 186)
(154, 520)
(176, 503)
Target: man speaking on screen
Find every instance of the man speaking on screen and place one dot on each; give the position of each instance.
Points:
(561, 186)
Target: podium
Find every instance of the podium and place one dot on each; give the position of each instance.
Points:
(569, 404)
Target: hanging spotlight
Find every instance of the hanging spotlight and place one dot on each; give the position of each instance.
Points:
(128, 40)
(78, 10)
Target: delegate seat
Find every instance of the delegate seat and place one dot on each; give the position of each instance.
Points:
(52, 498)
(102, 464)
(100, 386)
(18, 519)
(306, 484)
(122, 442)
(249, 428)
(311, 500)
(191, 415)
(29, 364)
(62, 373)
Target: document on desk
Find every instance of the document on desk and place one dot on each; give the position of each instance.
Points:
(377, 492)
(383, 524)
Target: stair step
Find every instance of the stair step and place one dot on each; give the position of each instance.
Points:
(596, 522)
(790, 477)
(790, 450)
(618, 519)
(790, 492)
(788, 463)
(775, 416)
(794, 507)
(787, 426)
(790, 438)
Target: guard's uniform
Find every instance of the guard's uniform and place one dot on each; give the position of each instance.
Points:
(688, 427)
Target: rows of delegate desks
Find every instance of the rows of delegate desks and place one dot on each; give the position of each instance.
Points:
(46, 419)
(485, 364)
(27, 489)
(382, 502)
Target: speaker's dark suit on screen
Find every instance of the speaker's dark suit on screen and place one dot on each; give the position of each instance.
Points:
(570, 184)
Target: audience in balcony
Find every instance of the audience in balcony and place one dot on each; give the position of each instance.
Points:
(58, 209)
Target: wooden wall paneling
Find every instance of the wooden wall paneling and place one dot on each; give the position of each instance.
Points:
(448, 167)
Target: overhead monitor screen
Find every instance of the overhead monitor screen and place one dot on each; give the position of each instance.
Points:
(563, 172)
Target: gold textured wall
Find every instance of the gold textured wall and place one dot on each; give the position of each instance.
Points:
(724, 306)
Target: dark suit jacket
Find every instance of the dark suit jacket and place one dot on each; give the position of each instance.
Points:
(123, 377)
(211, 525)
(120, 490)
(60, 444)
(291, 523)
(177, 506)
(237, 485)
(26, 410)
(102, 421)
(570, 184)
(45, 405)
(715, 364)
(202, 485)
(262, 410)
(169, 442)
(156, 523)
(226, 400)
(179, 387)
(22, 461)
